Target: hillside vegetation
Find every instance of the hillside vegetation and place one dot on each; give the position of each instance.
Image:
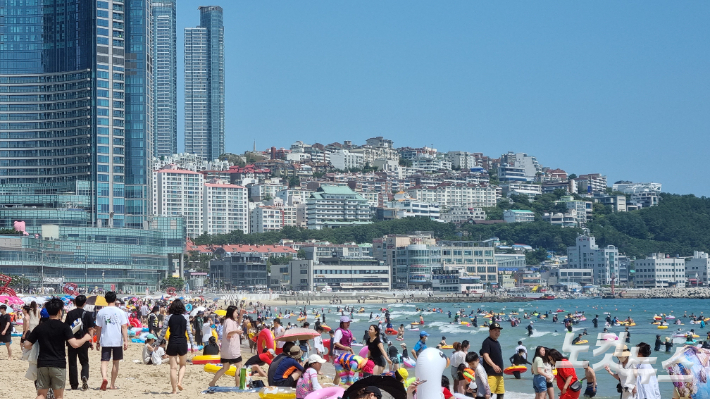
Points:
(679, 225)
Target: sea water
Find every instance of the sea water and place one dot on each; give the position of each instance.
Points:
(546, 332)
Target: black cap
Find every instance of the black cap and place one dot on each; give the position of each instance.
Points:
(495, 325)
(375, 390)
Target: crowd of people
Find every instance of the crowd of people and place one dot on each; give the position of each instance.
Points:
(174, 331)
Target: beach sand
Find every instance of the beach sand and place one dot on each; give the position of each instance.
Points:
(135, 380)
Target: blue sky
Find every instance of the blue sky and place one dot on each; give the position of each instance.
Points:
(619, 88)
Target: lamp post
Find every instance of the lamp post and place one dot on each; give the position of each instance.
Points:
(22, 283)
(103, 281)
(86, 272)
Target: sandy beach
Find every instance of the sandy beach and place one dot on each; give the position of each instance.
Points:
(134, 379)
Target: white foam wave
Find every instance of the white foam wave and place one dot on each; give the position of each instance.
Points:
(537, 334)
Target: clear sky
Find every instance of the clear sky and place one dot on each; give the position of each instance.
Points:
(614, 87)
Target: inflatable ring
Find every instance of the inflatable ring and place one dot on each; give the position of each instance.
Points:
(512, 369)
(137, 341)
(277, 393)
(265, 339)
(215, 367)
(447, 347)
(363, 352)
(391, 331)
(326, 393)
(325, 327)
(581, 342)
(409, 362)
(662, 327)
(188, 307)
(204, 359)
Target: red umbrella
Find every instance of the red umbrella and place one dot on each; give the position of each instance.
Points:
(298, 334)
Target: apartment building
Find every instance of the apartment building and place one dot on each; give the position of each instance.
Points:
(660, 271)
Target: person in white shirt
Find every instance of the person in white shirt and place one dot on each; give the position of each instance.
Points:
(279, 331)
(148, 349)
(318, 342)
(206, 331)
(521, 346)
(112, 327)
(159, 355)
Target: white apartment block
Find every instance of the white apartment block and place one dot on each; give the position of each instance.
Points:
(593, 182)
(527, 189)
(660, 271)
(266, 190)
(267, 218)
(225, 208)
(429, 164)
(408, 207)
(635, 188)
(526, 162)
(461, 159)
(370, 154)
(568, 219)
(449, 194)
(292, 196)
(586, 254)
(460, 214)
(334, 206)
(191, 162)
(178, 192)
(645, 199)
(697, 269)
(518, 216)
(344, 160)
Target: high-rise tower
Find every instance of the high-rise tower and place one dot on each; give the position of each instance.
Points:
(164, 77)
(66, 67)
(204, 85)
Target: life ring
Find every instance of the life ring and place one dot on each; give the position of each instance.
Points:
(215, 367)
(414, 324)
(265, 339)
(581, 342)
(391, 331)
(447, 347)
(301, 318)
(409, 362)
(277, 393)
(326, 345)
(662, 327)
(204, 359)
(326, 393)
(137, 341)
(512, 369)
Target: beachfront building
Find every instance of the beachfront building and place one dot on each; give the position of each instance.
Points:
(455, 194)
(660, 271)
(335, 206)
(697, 269)
(404, 206)
(580, 276)
(586, 254)
(340, 274)
(344, 160)
(391, 249)
(518, 216)
(591, 183)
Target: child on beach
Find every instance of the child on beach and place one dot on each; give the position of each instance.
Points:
(308, 382)
(400, 332)
(483, 390)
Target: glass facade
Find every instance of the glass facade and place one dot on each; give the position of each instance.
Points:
(164, 77)
(75, 79)
(204, 85)
(130, 259)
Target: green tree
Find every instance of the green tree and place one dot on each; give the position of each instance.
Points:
(405, 162)
(174, 282)
(10, 232)
(535, 257)
(232, 158)
(294, 181)
(19, 281)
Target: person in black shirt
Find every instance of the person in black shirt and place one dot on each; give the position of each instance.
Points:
(153, 322)
(493, 360)
(82, 353)
(211, 348)
(658, 343)
(6, 330)
(530, 329)
(517, 360)
(51, 336)
(595, 321)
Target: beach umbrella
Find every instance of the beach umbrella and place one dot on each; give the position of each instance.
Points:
(15, 301)
(386, 383)
(96, 300)
(220, 312)
(197, 310)
(296, 334)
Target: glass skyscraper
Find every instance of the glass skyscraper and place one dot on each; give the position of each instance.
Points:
(204, 85)
(164, 78)
(75, 102)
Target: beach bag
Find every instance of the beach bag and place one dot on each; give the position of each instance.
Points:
(576, 386)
